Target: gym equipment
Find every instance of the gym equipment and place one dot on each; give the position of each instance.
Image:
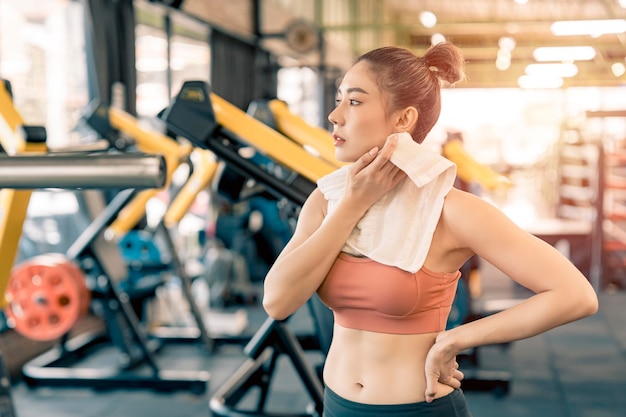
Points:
(212, 123)
(100, 259)
(51, 368)
(272, 340)
(470, 170)
(235, 137)
(98, 255)
(46, 295)
(138, 247)
(109, 122)
(16, 139)
(204, 170)
(91, 247)
(277, 115)
(84, 171)
(27, 159)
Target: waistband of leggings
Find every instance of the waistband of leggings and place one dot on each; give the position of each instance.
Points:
(416, 406)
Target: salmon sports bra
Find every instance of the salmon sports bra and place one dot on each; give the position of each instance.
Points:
(366, 295)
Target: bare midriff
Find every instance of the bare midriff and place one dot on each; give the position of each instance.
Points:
(379, 368)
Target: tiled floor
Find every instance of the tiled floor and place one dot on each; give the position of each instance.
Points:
(578, 370)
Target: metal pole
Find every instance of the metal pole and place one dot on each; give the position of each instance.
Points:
(82, 171)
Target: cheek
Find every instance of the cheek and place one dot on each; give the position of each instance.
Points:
(373, 135)
(375, 128)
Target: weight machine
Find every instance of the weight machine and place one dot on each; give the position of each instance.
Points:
(235, 137)
(26, 165)
(110, 123)
(47, 298)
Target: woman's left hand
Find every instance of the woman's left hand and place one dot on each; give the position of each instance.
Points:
(441, 367)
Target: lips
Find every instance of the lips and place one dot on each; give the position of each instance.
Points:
(337, 140)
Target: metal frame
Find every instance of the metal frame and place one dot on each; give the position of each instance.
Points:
(125, 330)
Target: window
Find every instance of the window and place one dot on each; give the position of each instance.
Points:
(42, 55)
(159, 77)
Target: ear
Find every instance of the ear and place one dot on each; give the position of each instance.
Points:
(406, 119)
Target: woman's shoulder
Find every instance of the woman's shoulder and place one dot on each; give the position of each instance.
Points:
(456, 198)
(468, 214)
(462, 207)
(316, 202)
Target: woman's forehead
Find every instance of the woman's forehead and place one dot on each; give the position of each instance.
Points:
(359, 76)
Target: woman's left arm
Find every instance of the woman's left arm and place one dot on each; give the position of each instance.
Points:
(562, 293)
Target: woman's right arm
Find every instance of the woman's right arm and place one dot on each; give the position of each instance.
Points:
(305, 261)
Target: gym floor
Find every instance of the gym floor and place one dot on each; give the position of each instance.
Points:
(577, 370)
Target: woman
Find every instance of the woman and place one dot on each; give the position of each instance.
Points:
(389, 279)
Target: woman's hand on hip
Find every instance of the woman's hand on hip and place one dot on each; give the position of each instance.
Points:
(441, 367)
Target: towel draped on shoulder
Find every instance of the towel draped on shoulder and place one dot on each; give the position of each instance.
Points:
(398, 229)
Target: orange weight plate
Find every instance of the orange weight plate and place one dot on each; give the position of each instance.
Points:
(46, 296)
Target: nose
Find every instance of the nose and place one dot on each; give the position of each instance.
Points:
(333, 116)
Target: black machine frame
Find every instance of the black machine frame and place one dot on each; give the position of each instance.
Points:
(140, 368)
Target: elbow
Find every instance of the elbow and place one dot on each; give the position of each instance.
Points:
(273, 309)
(592, 305)
(587, 303)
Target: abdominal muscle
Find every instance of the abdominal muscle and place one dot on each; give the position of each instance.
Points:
(379, 368)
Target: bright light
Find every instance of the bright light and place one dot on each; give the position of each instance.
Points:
(564, 53)
(428, 19)
(618, 68)
(521, 1)
(593, 28)
(552, 69)
(151, 64)
(437, 38)
(503, 63)
(528, 81)
(11, 68)
(622, 3)
(507, 42)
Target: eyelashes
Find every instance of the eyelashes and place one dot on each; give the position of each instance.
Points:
(352, 102)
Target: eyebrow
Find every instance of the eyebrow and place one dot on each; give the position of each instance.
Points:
(354, 90)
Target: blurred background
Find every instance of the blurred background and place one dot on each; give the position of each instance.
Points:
(538, 127)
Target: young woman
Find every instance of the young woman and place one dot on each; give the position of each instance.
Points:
(382, 240)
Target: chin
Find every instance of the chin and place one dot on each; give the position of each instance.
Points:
(342, 157)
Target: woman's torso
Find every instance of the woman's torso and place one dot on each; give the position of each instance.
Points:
(386, 320)
(383, 368)
(378, 368)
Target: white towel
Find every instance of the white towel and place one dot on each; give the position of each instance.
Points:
(398, 229)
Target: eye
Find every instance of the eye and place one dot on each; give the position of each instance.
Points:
(351, 101)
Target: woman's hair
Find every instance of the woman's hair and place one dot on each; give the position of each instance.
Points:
(409, 80)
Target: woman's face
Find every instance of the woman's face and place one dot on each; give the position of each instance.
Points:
(359, 121)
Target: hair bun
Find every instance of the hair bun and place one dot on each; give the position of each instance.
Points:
(445, 61)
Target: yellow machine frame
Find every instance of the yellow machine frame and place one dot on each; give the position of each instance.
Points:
(13, 203)
(149, 142)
